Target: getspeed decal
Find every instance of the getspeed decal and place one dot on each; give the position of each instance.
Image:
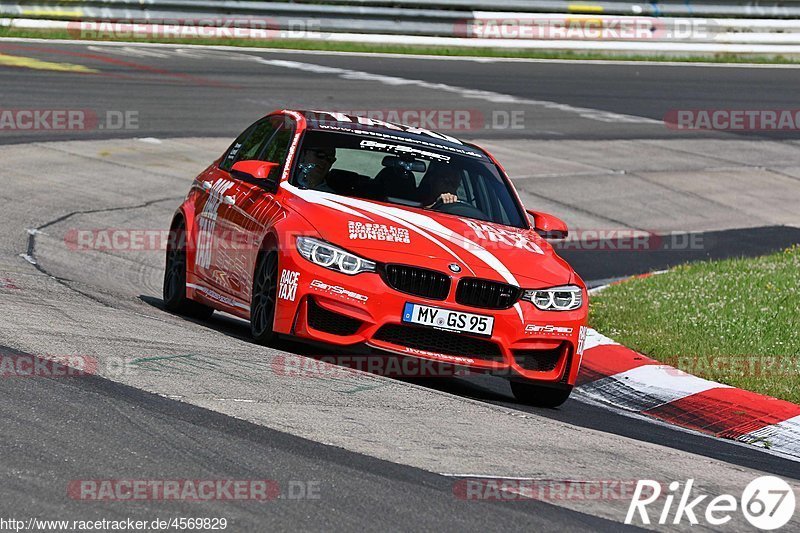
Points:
(337, 290)
(548, 329)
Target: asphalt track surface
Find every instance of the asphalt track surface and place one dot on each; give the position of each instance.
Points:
(163, 439)
(185, 92)
(55, 430)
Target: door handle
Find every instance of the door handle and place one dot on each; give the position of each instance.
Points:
(230, 200)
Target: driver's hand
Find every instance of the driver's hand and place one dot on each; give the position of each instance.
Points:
(448, 198)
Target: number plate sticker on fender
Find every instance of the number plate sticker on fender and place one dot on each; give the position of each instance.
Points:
(439, 318)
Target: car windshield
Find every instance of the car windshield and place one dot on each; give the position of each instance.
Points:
(424, 175)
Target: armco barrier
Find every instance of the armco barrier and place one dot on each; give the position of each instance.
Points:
(407, 8)
(672, 28)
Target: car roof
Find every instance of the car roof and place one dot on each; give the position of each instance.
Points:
(347, 123)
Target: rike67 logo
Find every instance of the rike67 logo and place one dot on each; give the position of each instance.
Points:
(767, 502)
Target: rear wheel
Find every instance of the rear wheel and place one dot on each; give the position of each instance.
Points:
(174, 291)
(538, 395)
(265, 291)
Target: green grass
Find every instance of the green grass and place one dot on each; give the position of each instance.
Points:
(735, 321)
(409, 49)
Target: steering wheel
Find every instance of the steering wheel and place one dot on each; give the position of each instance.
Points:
(457, 208)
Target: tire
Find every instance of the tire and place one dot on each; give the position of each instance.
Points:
(174, 290)
(264, 299)
(538, 395)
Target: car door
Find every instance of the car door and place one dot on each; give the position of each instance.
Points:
(256, 209)
(216, 261)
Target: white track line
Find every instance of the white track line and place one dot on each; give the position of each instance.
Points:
(474, 59)
(463, 92)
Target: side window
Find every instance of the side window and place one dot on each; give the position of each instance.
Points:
(278, 147)
(253, 145)
(483, 197)
(250, 143)
(469, 191)
(461, 191)
(230, 155)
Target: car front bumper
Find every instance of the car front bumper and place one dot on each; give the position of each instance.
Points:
(329, 307)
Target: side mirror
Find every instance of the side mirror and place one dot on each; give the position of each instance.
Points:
(548, 226)
(256, 171)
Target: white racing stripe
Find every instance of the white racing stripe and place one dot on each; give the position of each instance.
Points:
(323, 200)
(320, 197)
(419, 222)
(422, 232)
(429, 224)
(488, 96)
(426, 222)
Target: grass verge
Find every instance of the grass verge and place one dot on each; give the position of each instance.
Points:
(455, 51)
(735, 321)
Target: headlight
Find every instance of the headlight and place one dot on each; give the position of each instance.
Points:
(329, 256)
(566, 298)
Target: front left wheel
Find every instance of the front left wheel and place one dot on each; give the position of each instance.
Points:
(265, 292)
(174, 290)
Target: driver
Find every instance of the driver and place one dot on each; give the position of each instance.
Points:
(446, 180)
(314, 166)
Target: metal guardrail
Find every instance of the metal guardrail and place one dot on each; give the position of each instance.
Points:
(327, 18)
(405, 10)
(450, 23)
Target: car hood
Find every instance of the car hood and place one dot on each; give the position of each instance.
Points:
(392, 233)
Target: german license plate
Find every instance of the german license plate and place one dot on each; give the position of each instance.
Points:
(436, 317)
